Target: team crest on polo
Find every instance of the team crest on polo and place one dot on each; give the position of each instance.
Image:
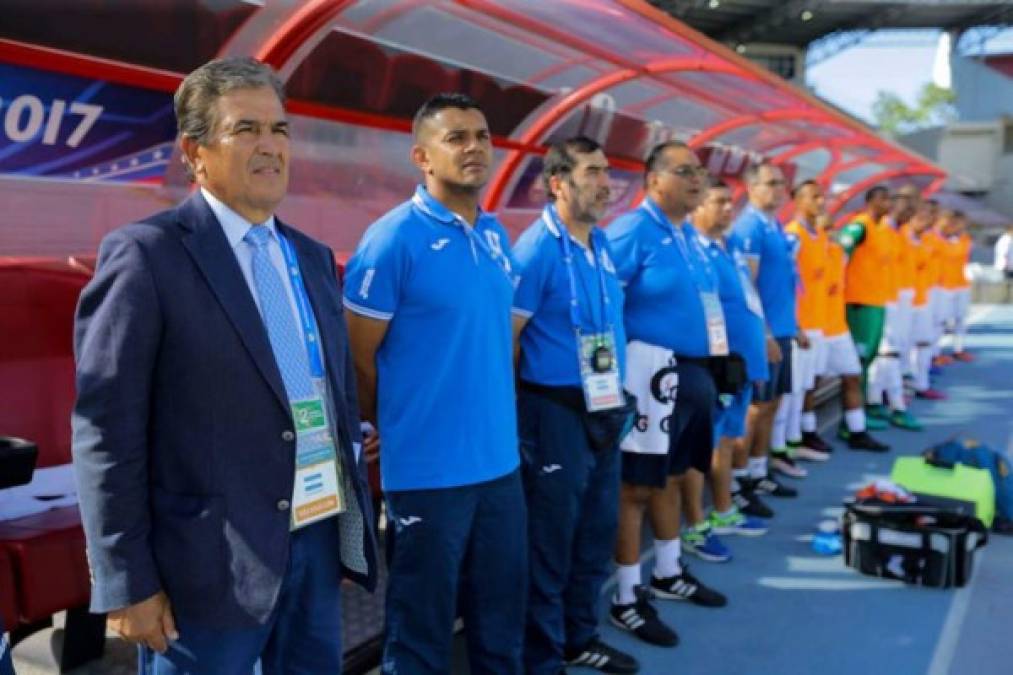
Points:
(496, 247)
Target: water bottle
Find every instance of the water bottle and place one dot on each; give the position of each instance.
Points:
(827, 540)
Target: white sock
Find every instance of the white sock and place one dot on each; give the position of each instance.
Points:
(734, 486)
(855, 419)
(757, 467)
(777, 431)
(923, 363)
(627, 579)
(809, 422)
(793, 431)
(666, 558)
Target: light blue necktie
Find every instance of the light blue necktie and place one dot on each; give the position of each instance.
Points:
(282, 331)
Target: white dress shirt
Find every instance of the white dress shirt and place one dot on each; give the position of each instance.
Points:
(1003, 257)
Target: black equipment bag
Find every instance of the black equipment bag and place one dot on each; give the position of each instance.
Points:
(17, 461)
(916, 543)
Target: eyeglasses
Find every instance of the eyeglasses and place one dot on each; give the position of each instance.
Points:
(687, 171)
(774, 182)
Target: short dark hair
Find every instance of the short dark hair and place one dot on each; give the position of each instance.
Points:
(752, 172)
(560, 160)
(441, 102)
(798, 188)
(654, 156)
(871, 193)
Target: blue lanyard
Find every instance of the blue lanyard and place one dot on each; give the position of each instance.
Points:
(551, 219)
(680, 238)
(311, 335)
(498, 257)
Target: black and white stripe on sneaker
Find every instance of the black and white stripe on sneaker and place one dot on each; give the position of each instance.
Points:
(600, 656)
(641, 619)
(686, 587)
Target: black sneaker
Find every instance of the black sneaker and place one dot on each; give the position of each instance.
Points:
(813, 440)
(862, 440)
(686, 587)
(749, 504)
(598, 655)
(641, 619)
(768, 486)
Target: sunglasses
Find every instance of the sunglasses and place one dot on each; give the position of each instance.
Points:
(687, 171)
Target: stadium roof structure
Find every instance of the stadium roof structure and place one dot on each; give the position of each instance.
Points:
(621, 69)
(827, 25)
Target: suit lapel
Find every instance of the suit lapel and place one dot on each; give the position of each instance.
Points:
(206, 243)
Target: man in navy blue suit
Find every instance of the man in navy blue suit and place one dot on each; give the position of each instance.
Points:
(216, 429)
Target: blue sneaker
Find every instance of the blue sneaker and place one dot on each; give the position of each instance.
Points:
(737, 523)
(702, 542)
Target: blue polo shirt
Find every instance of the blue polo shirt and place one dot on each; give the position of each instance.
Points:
(549, 343)
(662, 279)
(746, 332)
(445, 384)
(762, 238)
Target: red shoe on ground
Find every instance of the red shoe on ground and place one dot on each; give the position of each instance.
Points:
(931, 394)
(963, 356)
(942, 360)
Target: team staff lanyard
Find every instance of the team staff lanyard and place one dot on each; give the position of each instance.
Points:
(496, 255)
(596, 353)
(717, 334)
(317, 493)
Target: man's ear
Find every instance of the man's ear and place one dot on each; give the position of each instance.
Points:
(556, 186)
(191, 156)
(420, 158)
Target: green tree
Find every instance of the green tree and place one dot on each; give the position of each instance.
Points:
(933, 106)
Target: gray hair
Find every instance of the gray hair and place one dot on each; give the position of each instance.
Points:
(194, 101)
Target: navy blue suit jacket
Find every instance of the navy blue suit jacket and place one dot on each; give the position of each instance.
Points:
(182, 436)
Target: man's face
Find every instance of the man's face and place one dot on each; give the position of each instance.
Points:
(714, 214)
(921, 218)
(454, 147)
(944, 220)
(245, 161)
(879, 205)
(768, 192)
(677, 184)
(585, 191)
(810, 201)
(904, 202)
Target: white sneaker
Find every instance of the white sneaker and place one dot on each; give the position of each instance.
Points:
(783, 463)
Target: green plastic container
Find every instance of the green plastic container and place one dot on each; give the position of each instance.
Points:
(961, 483)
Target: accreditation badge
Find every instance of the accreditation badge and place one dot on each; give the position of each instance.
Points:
(599, 371)
(717, 336)
(317, 492)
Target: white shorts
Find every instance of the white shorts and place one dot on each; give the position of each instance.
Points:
(806, 361)
(842, 357)
(897, 326)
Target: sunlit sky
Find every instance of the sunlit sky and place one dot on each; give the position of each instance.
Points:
(896, 61)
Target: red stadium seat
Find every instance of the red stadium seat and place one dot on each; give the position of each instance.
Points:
(45, 553)
(8, 601)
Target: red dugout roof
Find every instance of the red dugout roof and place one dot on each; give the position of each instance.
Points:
(617, 70)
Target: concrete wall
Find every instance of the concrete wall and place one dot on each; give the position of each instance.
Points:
(983, 93)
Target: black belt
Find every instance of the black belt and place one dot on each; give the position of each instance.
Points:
(704, 361)
(571, 397)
